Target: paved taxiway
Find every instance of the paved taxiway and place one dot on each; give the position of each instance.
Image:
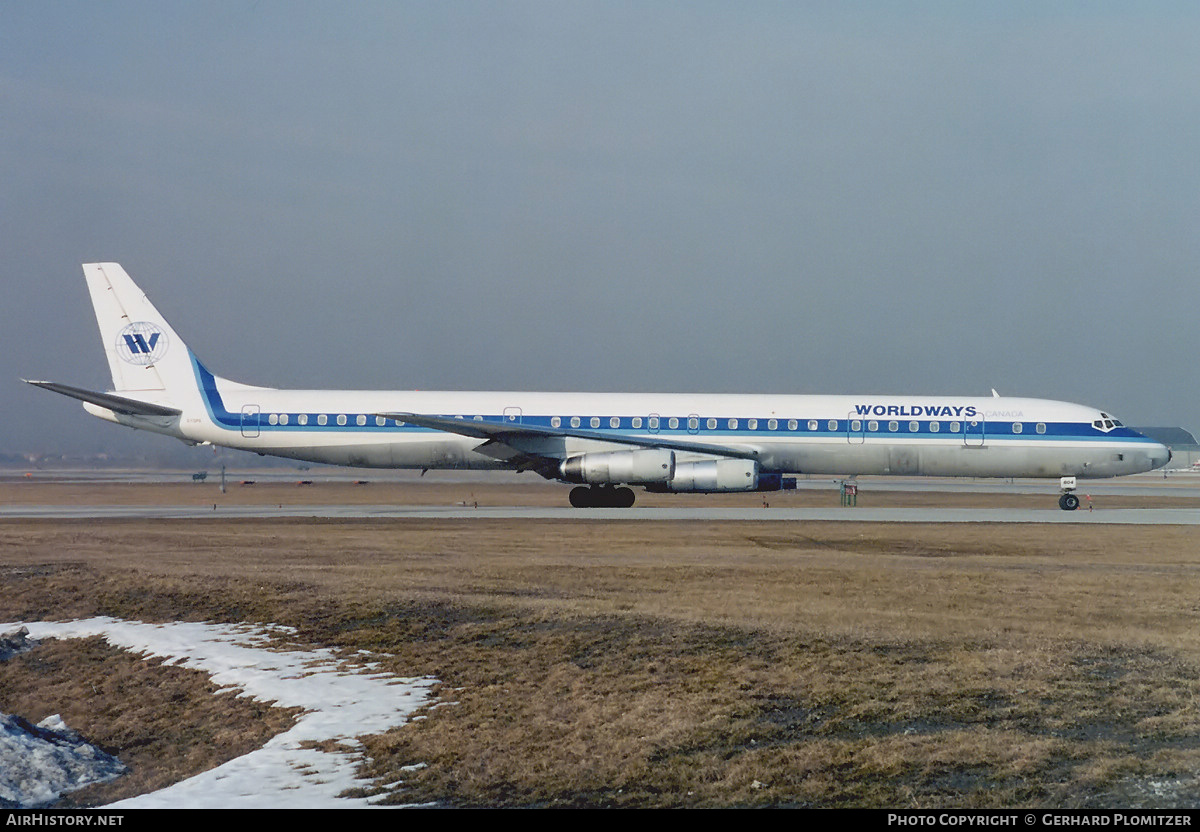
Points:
(1122, 516)
(1151, 484)
(179, 504)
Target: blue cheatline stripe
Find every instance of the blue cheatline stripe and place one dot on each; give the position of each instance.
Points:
(211, 396)
(993, 431)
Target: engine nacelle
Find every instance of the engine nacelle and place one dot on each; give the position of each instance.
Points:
(631, 467)
(775, 482)
(714, 476)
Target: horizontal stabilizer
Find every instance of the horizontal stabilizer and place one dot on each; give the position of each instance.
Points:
(117, 404)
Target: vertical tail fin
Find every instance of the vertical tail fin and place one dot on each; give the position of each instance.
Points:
(156, 379)
(143, 351)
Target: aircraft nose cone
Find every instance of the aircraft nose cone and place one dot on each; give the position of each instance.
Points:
(1159, 457)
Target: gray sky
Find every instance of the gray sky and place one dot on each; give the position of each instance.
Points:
(934, 198)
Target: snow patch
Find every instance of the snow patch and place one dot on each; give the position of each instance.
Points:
(39, 763)
(342, 701)
(15, 642)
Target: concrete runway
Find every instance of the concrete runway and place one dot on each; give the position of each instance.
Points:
(1122, 516)
(1147, 485)
(1151, 484)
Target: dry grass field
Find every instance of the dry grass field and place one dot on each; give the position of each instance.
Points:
(619, 663)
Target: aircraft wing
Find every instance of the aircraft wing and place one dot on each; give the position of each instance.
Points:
(514, 441)
(115, 403)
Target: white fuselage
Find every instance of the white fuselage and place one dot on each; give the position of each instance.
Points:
(675, 442)
(917, 435)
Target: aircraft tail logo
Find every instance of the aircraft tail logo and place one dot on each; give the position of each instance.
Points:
(141, 343)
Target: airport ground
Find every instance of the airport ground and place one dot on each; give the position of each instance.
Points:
(610, 661)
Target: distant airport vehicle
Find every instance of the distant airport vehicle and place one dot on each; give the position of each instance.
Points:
(602, 442)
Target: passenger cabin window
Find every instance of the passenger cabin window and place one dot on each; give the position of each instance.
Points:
(322, 419)
(653, 423)
(1041, 427)
(594, 421)
(832, 424)
(955, 427)
(752, 424)
(555, 421)
(693, 423)
(614, 422)
(574, 421)
(792, 424)
(872, 426)
(733, 424)
(772, 424)
(636, 421)
(913, 427)
(812, 424)
(893, 426)
(1018, 427)
(712, 424)
(341, 420)
(855, 426)
(934, 427)
(673, 423)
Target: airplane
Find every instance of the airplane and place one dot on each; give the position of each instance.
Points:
(601, 443)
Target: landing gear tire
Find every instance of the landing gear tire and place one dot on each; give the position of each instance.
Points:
(1068, 502)
(604, 496)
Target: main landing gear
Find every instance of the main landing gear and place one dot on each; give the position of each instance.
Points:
(601, 496)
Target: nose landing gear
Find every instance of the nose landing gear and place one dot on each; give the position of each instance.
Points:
(1068, 500)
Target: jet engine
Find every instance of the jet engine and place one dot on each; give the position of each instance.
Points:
(633, 467)
(717, 475)
(714, 475)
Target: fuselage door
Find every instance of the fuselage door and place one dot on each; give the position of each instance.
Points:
(856, 429)
(512, 415)
(250, 413)
(973, 432)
